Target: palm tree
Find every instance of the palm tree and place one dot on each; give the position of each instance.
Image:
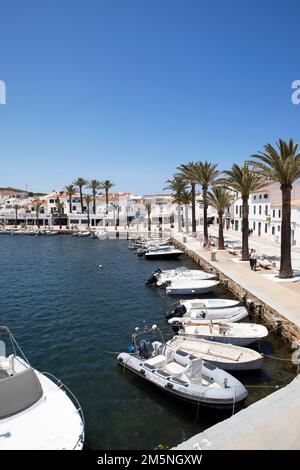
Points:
(243, 180)
(106, 185)
(80, 183)
(94, 186)
(115, 208)
(282, 165)
(148, 207)
(206, 175)
(220, 198)
(37, 210)
(88, 199)
(186, 199)
(70, 190)
(60, 207)
(17, 207)
(187, 171)
(177, 185)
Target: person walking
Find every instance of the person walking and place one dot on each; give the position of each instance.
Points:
(253, 259)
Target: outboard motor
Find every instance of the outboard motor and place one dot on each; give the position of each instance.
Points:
(141, 252)
(176, 326)
(178, 311)
(145, 349)
(152, 279)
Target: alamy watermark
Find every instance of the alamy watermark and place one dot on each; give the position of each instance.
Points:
(2, 92)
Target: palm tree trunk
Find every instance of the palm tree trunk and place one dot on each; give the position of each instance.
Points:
(245, 228)
(187, 228)
(193, 207)
(286, 270)
(94, 201)
(204, 195)
(88, 216)
(149, 222)
(179, 217)
(221, 234)
(70, 204)
(106, 200)
(16, 223)
(81, 199)
(37, 220)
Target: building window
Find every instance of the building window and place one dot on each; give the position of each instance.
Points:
(279, 214)
(266, 210)
(273, 230)
(273, 213)
(253, 226)
(236, 209)
(51, 201)
(266, 228)
(278, 228)
(254, 209)
(241, 207)
(259, 210)
(260, 196)
(254, 197)
(265, 196)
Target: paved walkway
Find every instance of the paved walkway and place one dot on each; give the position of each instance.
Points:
(284, 297)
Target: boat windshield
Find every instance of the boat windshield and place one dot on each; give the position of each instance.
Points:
(18, 392)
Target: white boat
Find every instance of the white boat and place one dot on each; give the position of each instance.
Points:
(224, 356)
(83, 234)
(180, 374)
(229, 315)
(50, 233)
(37, 412)
(163, 252)
(190, 287)
(196, 307)
(239, 334)
(161, 277)
(101, 234)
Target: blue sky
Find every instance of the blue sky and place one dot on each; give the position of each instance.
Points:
(127, 90)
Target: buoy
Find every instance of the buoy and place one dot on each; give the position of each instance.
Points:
(126, 278)
(100, 266)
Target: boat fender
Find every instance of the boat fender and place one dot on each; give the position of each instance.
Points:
(203, 313)
(142, 371)
(169, 385)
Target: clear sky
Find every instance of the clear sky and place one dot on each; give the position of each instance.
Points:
(127, 90)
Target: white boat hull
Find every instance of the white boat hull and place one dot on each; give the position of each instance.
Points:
(193, 288)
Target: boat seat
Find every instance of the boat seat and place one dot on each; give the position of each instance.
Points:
(156, 361)
(175, 369)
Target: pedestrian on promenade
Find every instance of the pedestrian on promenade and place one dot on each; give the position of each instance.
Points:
(253, 259)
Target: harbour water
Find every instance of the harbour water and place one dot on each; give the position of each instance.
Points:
(72, 317)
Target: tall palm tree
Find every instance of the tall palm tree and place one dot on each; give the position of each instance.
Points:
(243, 180)
(106, 185)
(80, 183)
(17, 207)
(206, 174)
(115, 208)
(187, 171)
(148, 207)
(177, 185)
(60, 207)
(186, 199)
(88, 199)
(220, 198)
(282, 165)
(94, 186)
(37, 210)
(70, 190)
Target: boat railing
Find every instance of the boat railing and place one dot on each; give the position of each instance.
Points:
(78, 407)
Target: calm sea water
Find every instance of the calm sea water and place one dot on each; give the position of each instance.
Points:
(72, 318)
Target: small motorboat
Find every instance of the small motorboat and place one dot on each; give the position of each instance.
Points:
(84, 234)
(51, 233)
(229, 315)
(239, 334)
(163, 252)
(101, 234)
(181, 374)
(190, 287)
(160, 278)
(224, 356)
(37, 411)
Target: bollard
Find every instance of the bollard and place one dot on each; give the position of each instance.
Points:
(213, 255)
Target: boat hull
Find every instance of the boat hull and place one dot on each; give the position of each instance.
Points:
(156, 256)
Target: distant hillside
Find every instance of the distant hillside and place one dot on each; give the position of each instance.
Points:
(16, 190)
